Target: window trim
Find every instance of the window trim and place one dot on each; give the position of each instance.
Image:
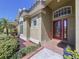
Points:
(32, 22)
(61, 9)
(21, 25)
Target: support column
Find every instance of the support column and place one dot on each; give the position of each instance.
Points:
(26, 28)
(77, 24)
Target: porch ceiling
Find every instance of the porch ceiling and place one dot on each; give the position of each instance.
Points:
(56, 3)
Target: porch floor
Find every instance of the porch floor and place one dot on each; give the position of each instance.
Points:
(54, 45)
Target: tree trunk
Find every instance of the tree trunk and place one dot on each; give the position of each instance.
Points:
(7, 31)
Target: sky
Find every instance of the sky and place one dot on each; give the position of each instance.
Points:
(9, 8)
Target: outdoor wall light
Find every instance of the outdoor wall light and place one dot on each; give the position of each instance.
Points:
(58, 0)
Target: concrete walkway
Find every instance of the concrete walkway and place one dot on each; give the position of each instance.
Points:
(47, 54)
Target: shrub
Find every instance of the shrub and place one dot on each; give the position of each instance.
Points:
(8, 46)
(24, 51)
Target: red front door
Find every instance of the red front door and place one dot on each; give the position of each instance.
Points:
(60, 29)
(57, 29)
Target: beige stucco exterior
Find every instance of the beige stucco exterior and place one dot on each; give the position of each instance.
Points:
(46, 25)
(35, 32)
(77, 24)
(44, 12)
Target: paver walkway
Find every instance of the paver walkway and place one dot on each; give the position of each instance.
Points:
(47, 54)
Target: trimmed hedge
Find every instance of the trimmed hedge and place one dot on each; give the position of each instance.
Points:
(24, 51)
(8, 46)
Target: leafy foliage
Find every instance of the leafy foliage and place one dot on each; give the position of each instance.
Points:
(4, 25)
(24, 51)
(72, 54)
(7, 27)
(8, 46)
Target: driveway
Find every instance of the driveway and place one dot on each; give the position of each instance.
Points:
(47, 54)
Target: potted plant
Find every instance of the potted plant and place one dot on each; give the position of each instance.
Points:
(70, 54)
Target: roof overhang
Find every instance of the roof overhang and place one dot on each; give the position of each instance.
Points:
(55, 3)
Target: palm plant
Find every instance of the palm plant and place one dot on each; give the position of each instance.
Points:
(1, 27)
(5, 25)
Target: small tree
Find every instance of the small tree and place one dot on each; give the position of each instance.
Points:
(1, 27)
(4, 25)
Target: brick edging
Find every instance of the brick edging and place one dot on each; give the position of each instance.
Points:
(36, 52)
(33, 53)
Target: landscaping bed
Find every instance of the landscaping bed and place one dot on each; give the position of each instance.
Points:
(8, 46)
(24, 51)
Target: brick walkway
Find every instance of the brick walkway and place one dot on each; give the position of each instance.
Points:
(33, 53)
(24, 43)
(51, 44)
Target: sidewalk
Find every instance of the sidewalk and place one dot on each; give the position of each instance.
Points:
(47, 54)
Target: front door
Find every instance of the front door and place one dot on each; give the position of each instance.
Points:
(60, 29)
(57, 29)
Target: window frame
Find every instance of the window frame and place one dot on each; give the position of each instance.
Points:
(35, 18)
(62, 10)
(21, 25)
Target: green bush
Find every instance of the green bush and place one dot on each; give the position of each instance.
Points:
(8, 46)
(24, 51)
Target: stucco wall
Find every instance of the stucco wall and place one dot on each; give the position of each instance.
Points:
(26, 28)
(18, 27)
(46, 24)
(71, 24)
(36, 9)
(35, 32)
(77, 25)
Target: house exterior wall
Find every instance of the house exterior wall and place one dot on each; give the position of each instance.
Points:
(71, 20)
(77, 24)
(35, 32)
(24, 29)
(18, 27)
(46, 25)
(29, 33)
(36, 10)
(44, 31)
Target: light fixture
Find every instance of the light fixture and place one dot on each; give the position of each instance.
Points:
(58, 0)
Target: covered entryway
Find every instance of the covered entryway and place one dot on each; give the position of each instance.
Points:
(63, 17)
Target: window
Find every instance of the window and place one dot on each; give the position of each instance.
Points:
(34, 22)
(21, 28)
(21, 25)
(62, 11)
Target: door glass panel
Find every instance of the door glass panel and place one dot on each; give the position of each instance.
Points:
(57, 29)
(65, 28)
